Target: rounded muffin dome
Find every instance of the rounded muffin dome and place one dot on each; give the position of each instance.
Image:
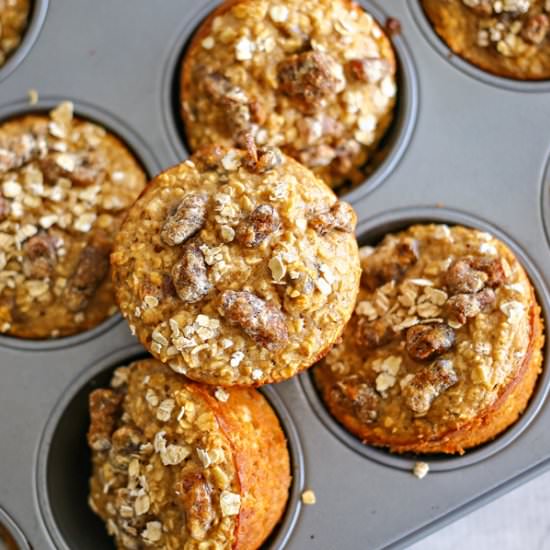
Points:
(444, 348)
(237, 267)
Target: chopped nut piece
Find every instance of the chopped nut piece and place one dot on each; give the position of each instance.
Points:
(428, 384)
(340, 217)
(262, 321)
(310, 78)
(261, 224)
(186, 220)
(189, 275)
(426, 341)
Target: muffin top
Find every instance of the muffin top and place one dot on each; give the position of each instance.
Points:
(313, 77)
(506, 37)
(171, 461)
(13, 22)
(64, 187)
(443, 325)
(237, 268)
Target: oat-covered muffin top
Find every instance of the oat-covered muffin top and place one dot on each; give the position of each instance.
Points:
(13, 22)
(64, 186)
(506, 37)
(443, 324)
(177, 465)
(313, 77)
(237, 268)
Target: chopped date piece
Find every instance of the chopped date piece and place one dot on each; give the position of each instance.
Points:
(428, 384)
(39, 256)
(262, 222)
(372, 334)
(232, 99)
(469, 274)
(189, 275)
(91, 270)
(264, 322)
(426, 341)
(196, 499)
(340, 217)
(536, 28)
(269, 158)
(125, 442)
(461, 307)
(389, 264)
(310, 78)
(84, 169)
(209, 158)
(188, 218)
(360, 395)
(369, 69)
(262, 160)
(393, 26)
(4, 208)
(103, 407)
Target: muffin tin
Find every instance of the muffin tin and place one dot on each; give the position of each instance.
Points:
(466, 148)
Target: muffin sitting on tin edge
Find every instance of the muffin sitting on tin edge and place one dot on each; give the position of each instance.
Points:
(182, 465)
(509, 38)
(315, 78)
(445, 345)
(65, 184)
(237, 267)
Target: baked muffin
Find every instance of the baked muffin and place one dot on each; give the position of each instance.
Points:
(13, 22)
(182, 465)
(64, 187)
(444, 348)
(509, 38)
(313, 77)
(237, 267)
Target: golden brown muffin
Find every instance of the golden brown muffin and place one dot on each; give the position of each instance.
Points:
(313, 77)
(179, 465)
(506, 37)
(13, 22)
(444, 348)
(237, 267)
(64, 187)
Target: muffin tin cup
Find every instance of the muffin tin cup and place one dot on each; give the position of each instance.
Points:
(64, 463)
(142, 154)
(480, 150)
(465, 66)
(394, 142)
(371, 232)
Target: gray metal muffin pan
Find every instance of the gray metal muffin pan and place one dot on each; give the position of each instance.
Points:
(466, 148)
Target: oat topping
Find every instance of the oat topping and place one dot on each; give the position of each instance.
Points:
(316, 79)
(60, 206)
(308, 497)
(166, 472)
(228, 280)
(441, 325)
(421, 469)
(14, 16)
